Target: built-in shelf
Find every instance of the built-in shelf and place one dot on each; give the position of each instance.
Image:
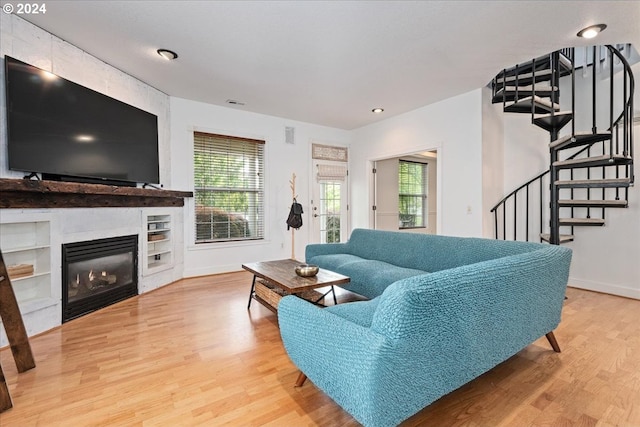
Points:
(158, 246)
(25, 193)
(28, 243)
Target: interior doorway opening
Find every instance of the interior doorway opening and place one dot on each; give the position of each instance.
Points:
(405, 193)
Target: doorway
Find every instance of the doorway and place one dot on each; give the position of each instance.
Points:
(405, 193)
(330, 202)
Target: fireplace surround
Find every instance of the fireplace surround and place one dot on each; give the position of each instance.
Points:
(98, 273)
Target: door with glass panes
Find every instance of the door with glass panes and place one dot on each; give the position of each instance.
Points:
(329, 206)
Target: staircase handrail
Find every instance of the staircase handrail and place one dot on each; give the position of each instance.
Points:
(628, 72)
(539, 176)
(627, 110)
(508, 196)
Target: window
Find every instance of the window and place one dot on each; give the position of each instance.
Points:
(228, 188)
(412, 191)
(329, 216)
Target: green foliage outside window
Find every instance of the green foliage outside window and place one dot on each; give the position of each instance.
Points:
(333, 229)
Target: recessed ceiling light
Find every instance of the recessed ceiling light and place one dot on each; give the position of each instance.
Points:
(167, 54)
(592, 31)
(377, 110)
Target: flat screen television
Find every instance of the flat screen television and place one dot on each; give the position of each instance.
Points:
(69, 132)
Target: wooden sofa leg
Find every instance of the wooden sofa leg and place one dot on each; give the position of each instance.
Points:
(301, 379)
(552, 340)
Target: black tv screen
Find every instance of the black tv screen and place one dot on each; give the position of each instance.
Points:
(66, 131)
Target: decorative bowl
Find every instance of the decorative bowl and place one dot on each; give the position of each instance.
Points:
(307, 270)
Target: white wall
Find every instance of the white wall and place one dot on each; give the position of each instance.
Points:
(26, 42)
(493, 187)
(281, 161)
(454, 128)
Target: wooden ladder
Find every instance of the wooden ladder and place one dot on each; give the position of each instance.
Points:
(16, 333)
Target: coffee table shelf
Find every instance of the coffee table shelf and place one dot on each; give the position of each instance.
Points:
(274, 279)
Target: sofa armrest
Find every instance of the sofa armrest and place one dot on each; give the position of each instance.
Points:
(325, 249)
(337, 355)
(493, 308)
(309, 331)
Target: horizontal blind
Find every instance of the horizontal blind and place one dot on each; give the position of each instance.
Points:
(228, 188)
(412, 193)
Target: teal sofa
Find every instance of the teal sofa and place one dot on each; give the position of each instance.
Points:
(443, 310)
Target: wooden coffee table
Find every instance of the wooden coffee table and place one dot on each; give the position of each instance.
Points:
(280, 278)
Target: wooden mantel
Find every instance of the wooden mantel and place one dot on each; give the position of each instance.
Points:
(25, 194)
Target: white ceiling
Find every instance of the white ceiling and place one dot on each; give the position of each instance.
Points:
(329, 62)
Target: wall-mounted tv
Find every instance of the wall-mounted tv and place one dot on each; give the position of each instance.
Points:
(66, 131)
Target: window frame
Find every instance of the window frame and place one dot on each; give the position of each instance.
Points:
(247, 153)
(422, 195)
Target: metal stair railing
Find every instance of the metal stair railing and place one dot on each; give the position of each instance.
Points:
(620, 142)
(514, 195)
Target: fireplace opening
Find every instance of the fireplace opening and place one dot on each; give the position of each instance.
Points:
(98, 273)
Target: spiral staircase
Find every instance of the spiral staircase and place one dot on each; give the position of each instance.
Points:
(591, 141)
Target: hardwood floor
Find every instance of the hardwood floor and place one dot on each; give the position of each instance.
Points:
(191, 354)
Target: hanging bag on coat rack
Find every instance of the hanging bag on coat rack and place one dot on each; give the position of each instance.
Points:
(295, 216)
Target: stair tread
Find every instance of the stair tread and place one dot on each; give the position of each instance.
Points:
(559, 113)
(553, 121)
(596, 160)
(599, 183)
(581, 221)
(542, 62)
(511, 93)
(529, 88)
(579, 138)
(564, 238)
(541, 104)
(597, 203)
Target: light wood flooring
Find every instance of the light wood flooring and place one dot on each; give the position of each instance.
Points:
(191, 354)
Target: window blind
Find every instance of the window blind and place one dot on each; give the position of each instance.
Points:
(412, 194)
(331, 172)
(228, 188)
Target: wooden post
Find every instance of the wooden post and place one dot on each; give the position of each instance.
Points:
(16, 333)
(294, 196)
(5, 397)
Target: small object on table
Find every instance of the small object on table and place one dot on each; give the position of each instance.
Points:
(306, 270)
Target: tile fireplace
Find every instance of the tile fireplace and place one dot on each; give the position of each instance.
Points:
(98, 273)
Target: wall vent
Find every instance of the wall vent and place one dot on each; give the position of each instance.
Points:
(289, 135)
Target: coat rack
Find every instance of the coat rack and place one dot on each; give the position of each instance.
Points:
(292, 184)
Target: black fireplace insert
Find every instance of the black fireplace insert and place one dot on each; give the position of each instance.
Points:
(98, 273)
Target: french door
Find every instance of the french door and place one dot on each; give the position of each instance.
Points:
(330, 205)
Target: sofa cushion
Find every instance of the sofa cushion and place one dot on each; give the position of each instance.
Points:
(333, 262)
(430, 252)
(358, 312)
(368, 277)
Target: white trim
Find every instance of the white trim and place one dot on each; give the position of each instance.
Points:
(606, 288)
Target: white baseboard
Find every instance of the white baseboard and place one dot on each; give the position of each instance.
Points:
(206, 271)
(605, 288)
